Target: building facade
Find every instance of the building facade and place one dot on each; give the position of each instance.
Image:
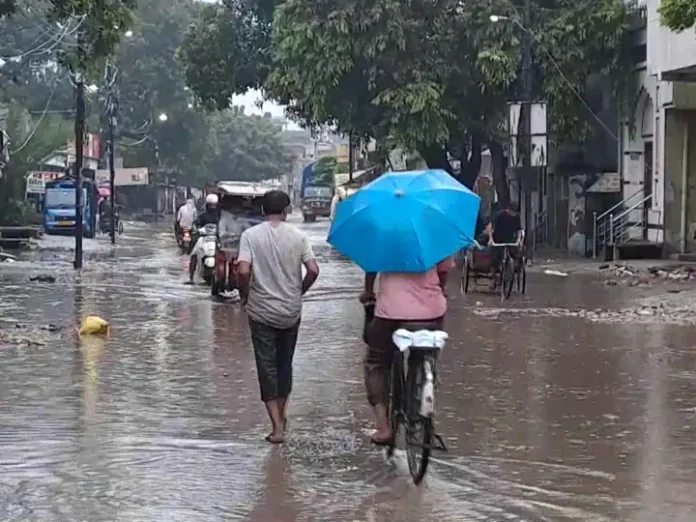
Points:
(658, 139)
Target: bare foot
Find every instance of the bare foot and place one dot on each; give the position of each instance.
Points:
(381, 437)
(275, 438)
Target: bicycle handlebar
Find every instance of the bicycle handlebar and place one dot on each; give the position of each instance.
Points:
(504, 244)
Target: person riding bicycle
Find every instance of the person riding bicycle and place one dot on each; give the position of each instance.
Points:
(401, 298)
(505, 228)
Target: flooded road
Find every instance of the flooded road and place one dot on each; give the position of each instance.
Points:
(548, 416)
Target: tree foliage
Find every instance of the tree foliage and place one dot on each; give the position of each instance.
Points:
(246, 148)
(324, 170)
(678, 15)
(32, 142)
(191, 146)
(194, 146)
(434, 75)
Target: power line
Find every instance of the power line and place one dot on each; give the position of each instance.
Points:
(38, 123)
(574, 90)
(49, 45)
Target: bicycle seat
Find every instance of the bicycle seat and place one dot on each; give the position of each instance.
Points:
(423, 339)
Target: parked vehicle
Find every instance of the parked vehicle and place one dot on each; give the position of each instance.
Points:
(59, 207)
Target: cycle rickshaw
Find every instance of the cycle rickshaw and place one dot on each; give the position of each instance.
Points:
(512, 270)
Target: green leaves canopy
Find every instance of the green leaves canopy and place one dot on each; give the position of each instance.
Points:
(435, 75)
(678, 15)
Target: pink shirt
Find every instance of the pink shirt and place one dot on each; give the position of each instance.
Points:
(412, 297)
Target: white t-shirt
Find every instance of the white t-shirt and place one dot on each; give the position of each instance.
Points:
(276, 251)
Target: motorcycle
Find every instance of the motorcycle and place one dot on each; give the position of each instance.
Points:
(206, 265)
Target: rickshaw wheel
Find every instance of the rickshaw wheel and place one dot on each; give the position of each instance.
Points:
(522, 280)
(466, 276)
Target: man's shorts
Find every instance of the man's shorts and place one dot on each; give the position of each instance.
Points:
(274, 349)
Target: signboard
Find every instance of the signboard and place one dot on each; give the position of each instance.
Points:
(342, 155)
(35, 185)
(124, 177)
(36, 181)
(528, 134)
(608, 182)
(91, 148)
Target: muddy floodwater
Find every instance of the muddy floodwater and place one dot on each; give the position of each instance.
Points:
(550, 412)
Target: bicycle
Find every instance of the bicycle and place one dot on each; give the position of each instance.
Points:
(412, 399)
(507, 269)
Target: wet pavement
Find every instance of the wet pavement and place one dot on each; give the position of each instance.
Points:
(550, 413)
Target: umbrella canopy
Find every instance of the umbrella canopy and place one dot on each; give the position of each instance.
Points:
(405, 221)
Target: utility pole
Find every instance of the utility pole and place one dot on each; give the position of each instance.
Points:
(527, 80)
(526, 113)
(79, 146)
(351, 160)
(112, 114)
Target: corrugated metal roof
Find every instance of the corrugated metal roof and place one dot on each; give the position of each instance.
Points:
(243, 188)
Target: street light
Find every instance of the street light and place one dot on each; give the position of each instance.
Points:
(163, 117)
(129, 34)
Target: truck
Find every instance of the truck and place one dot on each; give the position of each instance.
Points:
(59, 207)
(316, 193)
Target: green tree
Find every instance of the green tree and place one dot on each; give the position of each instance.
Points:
(324, 170)
(678, 15)
(246, 148)
(435, 76)
(32, 140)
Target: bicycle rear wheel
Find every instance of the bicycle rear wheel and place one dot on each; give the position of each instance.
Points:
(419, 429)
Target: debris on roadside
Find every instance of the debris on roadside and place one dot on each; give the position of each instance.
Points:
(628, 275)
(556, 273)
(15, 333)
(43, 279)
(7, 257)
(94, 325)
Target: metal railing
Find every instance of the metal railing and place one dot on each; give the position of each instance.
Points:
(540, 232)
(613, 227)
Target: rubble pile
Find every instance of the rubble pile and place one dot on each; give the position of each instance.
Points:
(626, 274)
(27, 335)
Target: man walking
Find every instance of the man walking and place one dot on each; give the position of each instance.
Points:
(271, 256)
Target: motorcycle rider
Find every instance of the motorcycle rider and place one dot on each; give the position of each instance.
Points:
(208, 217)
(185, 217)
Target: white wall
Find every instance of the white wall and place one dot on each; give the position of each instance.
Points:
(667, 50)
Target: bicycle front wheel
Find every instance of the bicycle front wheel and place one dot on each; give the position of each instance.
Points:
(507, 279)
(419, 428)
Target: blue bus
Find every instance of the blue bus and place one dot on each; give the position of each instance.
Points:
(59, 207)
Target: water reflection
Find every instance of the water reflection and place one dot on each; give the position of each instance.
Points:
(277, 497)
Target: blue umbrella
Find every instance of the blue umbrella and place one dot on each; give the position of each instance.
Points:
(405, 221)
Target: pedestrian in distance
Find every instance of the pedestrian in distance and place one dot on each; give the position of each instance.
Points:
(271, 286)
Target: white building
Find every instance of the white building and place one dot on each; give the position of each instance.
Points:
(658, 156)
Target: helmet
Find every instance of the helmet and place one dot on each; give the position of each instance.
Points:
(211, 199)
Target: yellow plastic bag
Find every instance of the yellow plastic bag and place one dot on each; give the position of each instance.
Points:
(93, 325)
